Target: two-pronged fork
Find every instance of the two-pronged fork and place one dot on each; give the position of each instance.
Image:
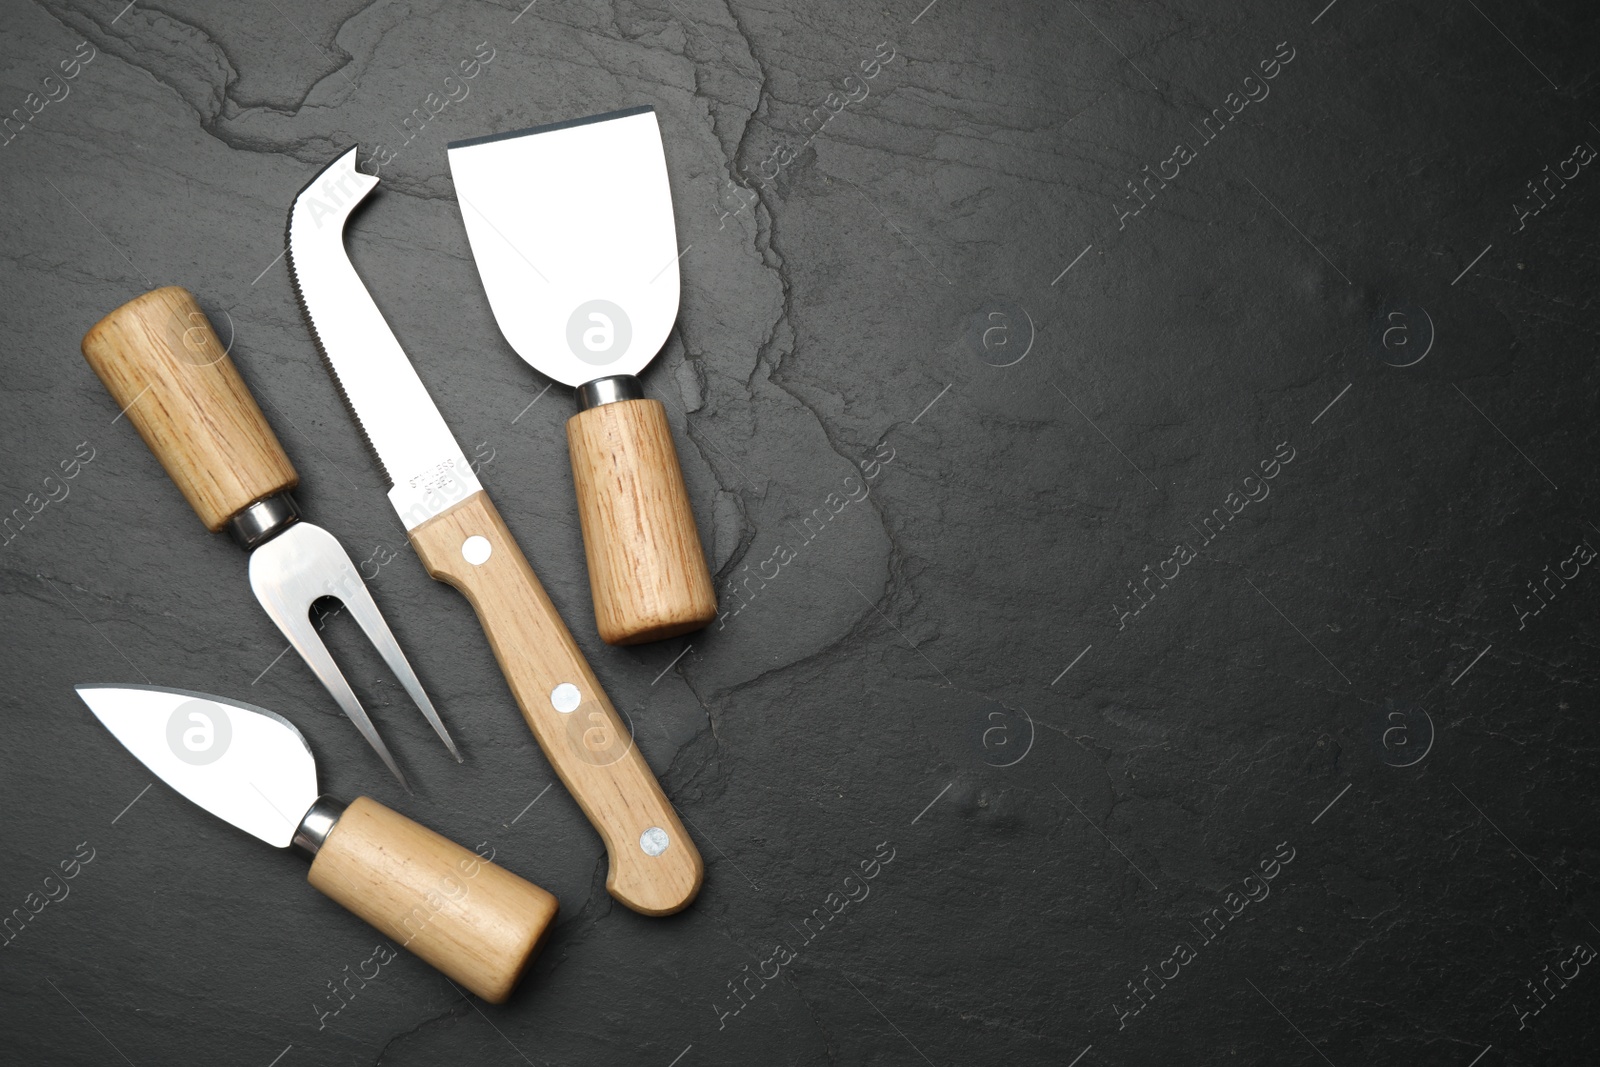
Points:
(161, 361)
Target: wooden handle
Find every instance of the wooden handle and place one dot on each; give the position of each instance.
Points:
(647, 571)
(477, 923)
(163, 364)
(655, 868)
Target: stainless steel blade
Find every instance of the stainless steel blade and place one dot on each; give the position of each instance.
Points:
(571, 227)
(241, 763)
(418, 452)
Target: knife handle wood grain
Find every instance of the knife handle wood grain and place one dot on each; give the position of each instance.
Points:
(162, 363)
(479, 924)
(647, 571)
(655, 868)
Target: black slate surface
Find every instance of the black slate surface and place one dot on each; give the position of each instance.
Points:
(1079, 719)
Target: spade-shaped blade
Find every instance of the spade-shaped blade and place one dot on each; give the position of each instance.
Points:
(572, 230)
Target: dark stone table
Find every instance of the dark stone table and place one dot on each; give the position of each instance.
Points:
(1205, 671)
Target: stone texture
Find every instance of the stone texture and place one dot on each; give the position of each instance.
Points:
(904, 679)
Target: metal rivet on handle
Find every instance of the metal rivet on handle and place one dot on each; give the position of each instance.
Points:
(654, 841)
(565, 698)
(476, 550)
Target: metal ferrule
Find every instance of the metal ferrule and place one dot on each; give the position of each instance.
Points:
(316, 826)
(258, 523)
(609, 391)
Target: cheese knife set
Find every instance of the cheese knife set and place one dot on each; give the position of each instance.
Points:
(572, 230)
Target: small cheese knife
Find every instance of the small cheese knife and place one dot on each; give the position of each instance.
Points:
(476, 922)
(588, 202)
(655, 868)
(160, 359)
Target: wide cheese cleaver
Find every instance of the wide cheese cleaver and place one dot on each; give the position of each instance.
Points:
(476, 922)
(571, 227)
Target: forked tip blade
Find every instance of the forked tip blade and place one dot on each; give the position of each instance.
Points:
(323, 205)
(315, 226)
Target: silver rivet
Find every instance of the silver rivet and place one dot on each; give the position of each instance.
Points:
(476, 550)
(654, 841)
(565, 698)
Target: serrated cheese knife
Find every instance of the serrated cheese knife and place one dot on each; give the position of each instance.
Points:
(572, 230)
(476, 922)
(655, 868)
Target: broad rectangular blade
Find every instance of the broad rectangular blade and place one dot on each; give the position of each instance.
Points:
(241, 763)
(398, 418)
(572, 230)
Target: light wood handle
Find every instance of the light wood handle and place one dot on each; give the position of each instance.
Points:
(647, 571)
(564, 706)
(477, 923)
(162, 363)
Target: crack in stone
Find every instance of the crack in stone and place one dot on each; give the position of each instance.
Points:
(455, 1010)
